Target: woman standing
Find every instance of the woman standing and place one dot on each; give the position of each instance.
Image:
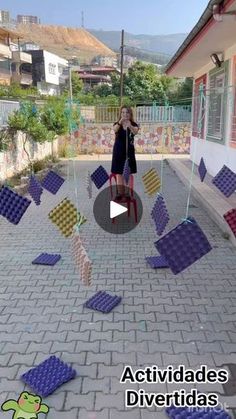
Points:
(125, 130)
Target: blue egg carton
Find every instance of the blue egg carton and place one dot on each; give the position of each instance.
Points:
(12, 205)
(46, 259)
(225, 181)
(103, 302)
(157, 262)
(196, 413)
(52, 182)
(160, 215)
(183, 245)
(48, 376)
(99, 177)
(202, 169)
(35, 190)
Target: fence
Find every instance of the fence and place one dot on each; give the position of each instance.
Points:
(6, 108)
(143, 114)
(109, 114)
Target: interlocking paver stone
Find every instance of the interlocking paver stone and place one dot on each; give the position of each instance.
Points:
(163, 319)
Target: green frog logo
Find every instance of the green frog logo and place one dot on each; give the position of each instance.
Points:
(28, 406)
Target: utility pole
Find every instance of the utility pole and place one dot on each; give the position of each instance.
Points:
(70, 102)
(121, 66)
(82, 19)
(70, 84)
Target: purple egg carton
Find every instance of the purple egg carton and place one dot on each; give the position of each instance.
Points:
(225, 181)
(35, 190)
(126, 171)
(157, 262)
(202, 169)
(102, 301)
(99, 177)
(12, 205)
(183, 245)
(160, 215)
(46, 259)
(48, 376)
(196, 413)
(52, 182)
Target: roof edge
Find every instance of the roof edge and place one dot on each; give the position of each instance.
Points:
(204, 19)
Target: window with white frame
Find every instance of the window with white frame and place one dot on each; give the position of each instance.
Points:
(52, 68)
(217, 103)
(199, 106)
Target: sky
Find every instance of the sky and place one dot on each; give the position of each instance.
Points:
(152, 17)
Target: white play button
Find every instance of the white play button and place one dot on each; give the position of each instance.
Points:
(116, 209)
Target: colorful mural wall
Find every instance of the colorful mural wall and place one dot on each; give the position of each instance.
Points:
(152, 138)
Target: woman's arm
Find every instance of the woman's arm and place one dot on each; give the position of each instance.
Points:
(133, 129)
(116, 127)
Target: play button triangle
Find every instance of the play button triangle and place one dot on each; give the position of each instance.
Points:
(116, 209)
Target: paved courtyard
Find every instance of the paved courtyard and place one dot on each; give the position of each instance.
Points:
(163, 319)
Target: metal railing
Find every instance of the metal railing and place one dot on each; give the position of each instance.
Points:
(110, 114)
(142, 114)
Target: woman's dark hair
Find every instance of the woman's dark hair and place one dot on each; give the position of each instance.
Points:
(130, 110)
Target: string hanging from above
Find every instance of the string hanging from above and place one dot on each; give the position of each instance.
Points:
(201, 116)
(126, 170)
(81, 258)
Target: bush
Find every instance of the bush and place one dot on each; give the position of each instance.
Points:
(41, 125)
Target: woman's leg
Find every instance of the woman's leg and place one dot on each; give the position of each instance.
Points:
(120, 184)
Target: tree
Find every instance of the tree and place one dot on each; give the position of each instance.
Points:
(185, 91)
(102, 90)
(54, 117)
(142, 83)
(77, 84)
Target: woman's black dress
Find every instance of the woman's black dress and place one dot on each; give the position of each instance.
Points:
(119, 151)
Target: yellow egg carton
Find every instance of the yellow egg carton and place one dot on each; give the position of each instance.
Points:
(65, 216)
(152, 182)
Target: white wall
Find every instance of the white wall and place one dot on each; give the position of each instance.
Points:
(48, 89)
(15, 160)
(52, 60)
(215, 155)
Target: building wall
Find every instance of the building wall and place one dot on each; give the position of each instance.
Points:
(107, 61)
(51, 62)
(48, 89)
(16, 159)
(217, 154)
(25, 19)
(45, 71)
(4, 16)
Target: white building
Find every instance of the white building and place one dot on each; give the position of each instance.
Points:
(47, 71)
(106, 61)
(4, 17)
(209, 56)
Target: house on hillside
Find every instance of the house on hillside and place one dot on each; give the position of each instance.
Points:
(48, 71)
(92, 75)
(12, 60)
(105, 61)
(208, 55)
